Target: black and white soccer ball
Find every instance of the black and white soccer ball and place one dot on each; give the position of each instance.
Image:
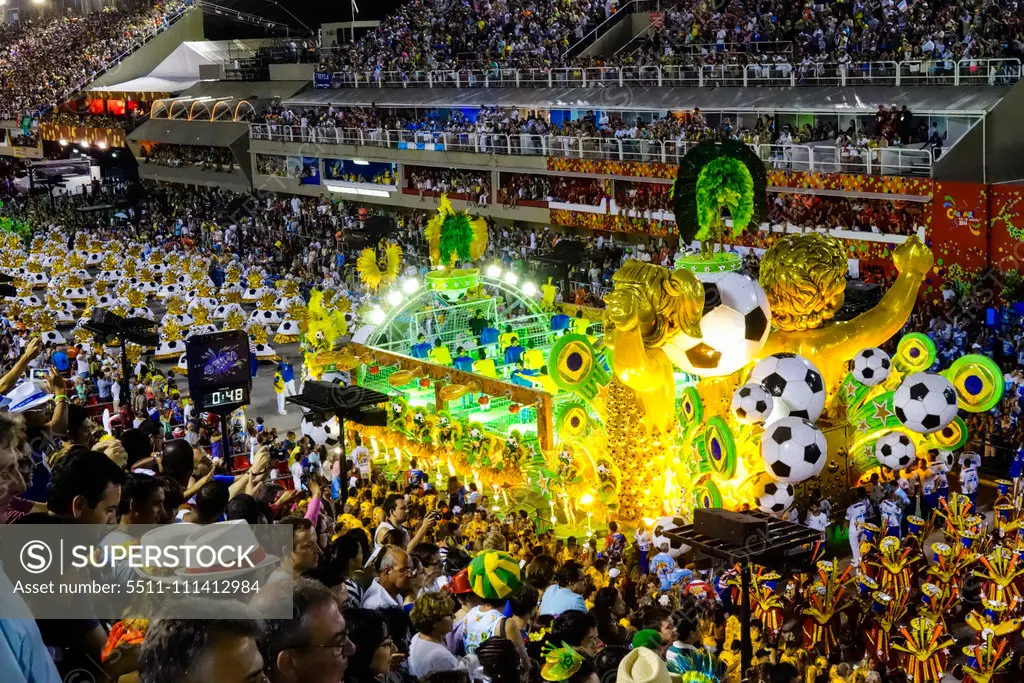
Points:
(925, 403)
(53, 337)
(333, 430)
(289, 328)
(773, 497)
(895, 450)
(314, 431)
(734, 327)
(658, 537)
(871, 366)
(795, 380)
(793, 450)
(752, 404)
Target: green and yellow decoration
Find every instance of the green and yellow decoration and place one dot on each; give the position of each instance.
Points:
(453, 236)
(715, 178)
(493, 575)
(560, 663)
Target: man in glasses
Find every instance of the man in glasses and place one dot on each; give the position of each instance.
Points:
(220, 648)
(311, 647)
(394, 579)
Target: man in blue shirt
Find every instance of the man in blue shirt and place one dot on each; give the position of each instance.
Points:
(514, 353)
(103, 388)
(288, 375)
(421, 349)
(563, 596)
(462, 360)
(521, 376)
(60, 360)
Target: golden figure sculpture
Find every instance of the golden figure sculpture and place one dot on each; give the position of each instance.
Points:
(804, 277)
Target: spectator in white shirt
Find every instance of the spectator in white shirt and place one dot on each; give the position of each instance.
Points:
(432, 618)
(394, 578)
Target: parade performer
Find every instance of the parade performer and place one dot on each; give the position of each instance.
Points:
(926, 650)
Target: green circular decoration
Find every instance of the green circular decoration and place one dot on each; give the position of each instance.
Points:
(707, 495)
(572, 420)
(978, 382)
(452, 285)
(718, 262)
(915, 352)
(952, 437)
(691, 408)
(720, 447)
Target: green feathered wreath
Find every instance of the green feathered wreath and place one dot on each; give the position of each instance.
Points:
(714, 177)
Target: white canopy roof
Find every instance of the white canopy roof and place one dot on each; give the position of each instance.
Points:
(178, 71)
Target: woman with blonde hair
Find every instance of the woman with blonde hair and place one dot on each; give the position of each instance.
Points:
(432, 618)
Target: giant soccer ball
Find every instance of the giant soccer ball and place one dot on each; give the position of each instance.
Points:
(793, 450)
(316, 432)
(925, 403)
(773, 497)
(734, 328)
(871, 366)
(896, 451)
(658, 537)
(752, 404)
(795, 381)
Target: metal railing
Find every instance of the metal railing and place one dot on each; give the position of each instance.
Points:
(588, 39)
(779, 74)
(794, 157)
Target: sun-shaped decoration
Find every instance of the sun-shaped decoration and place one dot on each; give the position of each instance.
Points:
(101, 287)
(266, 301)
(233, 275)
(38, 244)
(130, 267)
(34, 266)
(169, 278)
(175, 305)
(74, 280)
(254, 278)
(110, 261)
(235, 320)
(288, 287)
(258, 333)
(204, 289)
(81, 335)
(24, 287)
(80, 241)
(201, 316)
(76, 260)
(58, 267)
(45, 321)
(134, 352)
(172, 330)
(297, 311)
(136, 298)
(15, 311)
(134, 251)
(146, 274)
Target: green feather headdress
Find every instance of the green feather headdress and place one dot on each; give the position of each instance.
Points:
(715, 176)
(560, 663)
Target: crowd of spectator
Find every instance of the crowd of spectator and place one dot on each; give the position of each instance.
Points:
(205, 157)
(128, 122)
(45, 61)
(473, 184)
(840, 33)
(885, 216)
(438, 35)
(444, 34)
(890, 127)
